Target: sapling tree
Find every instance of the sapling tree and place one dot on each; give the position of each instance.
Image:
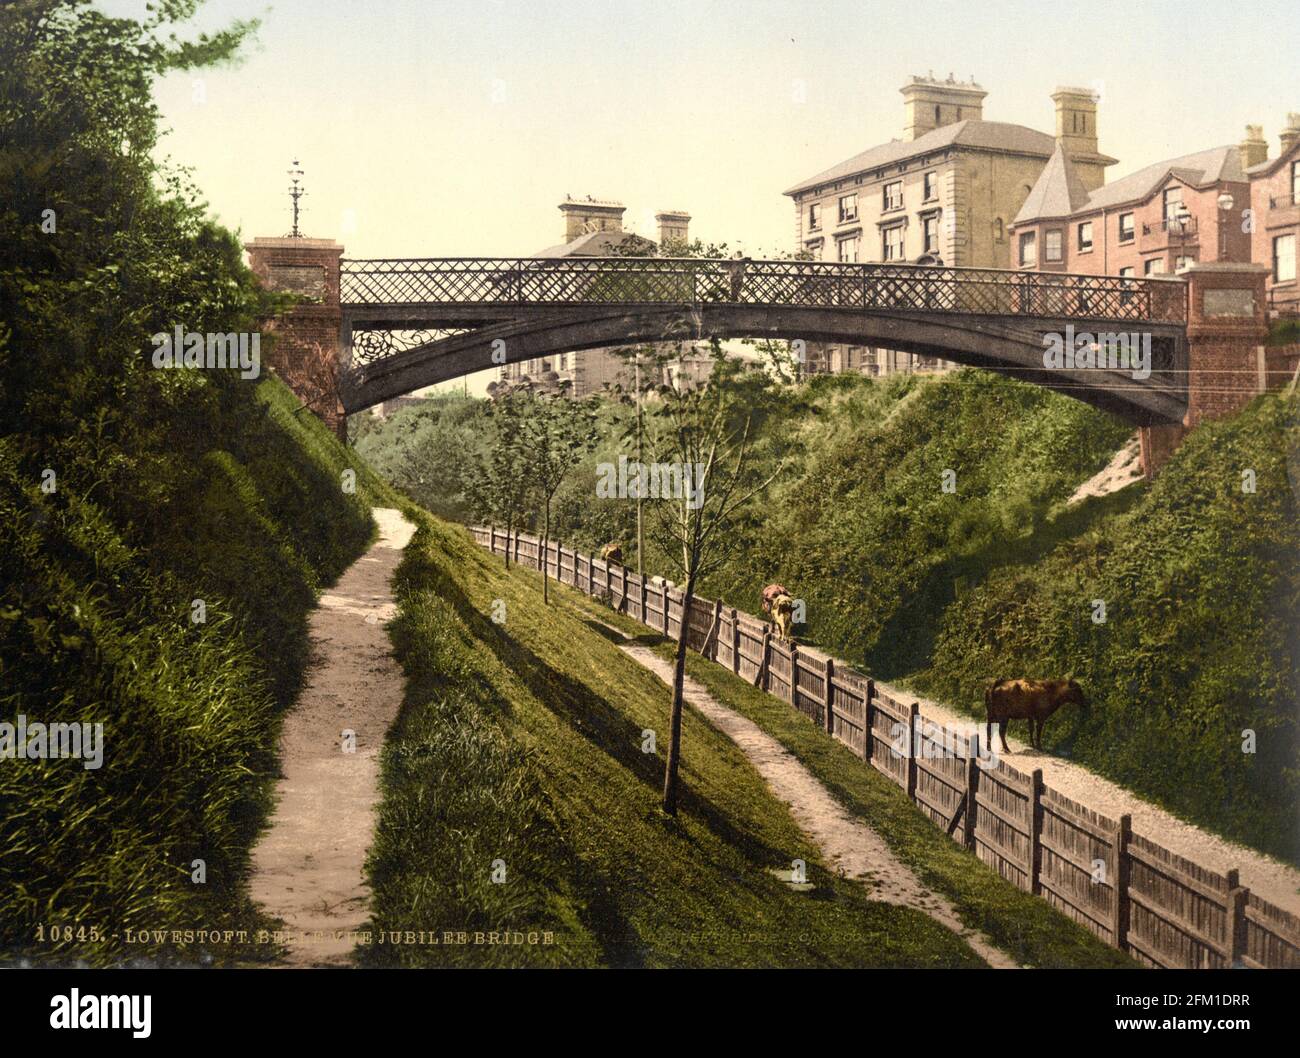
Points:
(701, 430)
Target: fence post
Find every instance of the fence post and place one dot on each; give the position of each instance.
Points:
(735, 642)
(715, 631)
(1235, 921)
(868, 734)
(760, 677)
(667, 605)
(622, 602)
(1035, 831)
(1120, 910)
(830, 696)
(492, 539)
(972, 787)
(911, 749)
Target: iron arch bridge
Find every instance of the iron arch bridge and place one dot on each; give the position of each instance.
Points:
(410, 323)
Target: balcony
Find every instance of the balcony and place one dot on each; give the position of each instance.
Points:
(1171, 231)
(1172, 225)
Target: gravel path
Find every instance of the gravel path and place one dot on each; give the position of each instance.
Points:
(1268, 878)
(308, 867)
(847, 843)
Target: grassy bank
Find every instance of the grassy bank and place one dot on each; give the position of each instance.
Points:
(1192, 674)
(520, 747)
(237, 502)
(1020, 924)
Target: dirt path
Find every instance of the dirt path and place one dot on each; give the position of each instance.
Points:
(1268, 878)
(845, 841)
(308, 865)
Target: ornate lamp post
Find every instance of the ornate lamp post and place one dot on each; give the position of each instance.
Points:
(295, 193)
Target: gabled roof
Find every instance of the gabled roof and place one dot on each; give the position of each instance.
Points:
(1052, 191)
(1058, 192)
(979, 135)
(1199, 169)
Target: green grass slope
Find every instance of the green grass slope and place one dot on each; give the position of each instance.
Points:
(1193, 672)
(520, 748)
(233, 496)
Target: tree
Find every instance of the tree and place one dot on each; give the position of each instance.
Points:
(558, 432)
(701, 433)
(501, 494)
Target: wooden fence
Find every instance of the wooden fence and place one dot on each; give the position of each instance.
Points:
(1161, 909)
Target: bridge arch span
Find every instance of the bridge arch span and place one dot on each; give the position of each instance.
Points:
(1006, 345)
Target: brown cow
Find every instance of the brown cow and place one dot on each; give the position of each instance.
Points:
(783, 614)
(1032, 700)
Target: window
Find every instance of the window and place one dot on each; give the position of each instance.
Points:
(1028, 249)
(1173, 198)
(815, 217)
(1295, 183)
(891, 243)
(997, 229)
(1183, 261)
(1126, 289)
(930, 185)
(1284, 259)
(1154, 267)
(1126, 227)
(1085, 236)
(1052, 245)
(848, 208)
(893, 196)
(931, 233)
(848, 250)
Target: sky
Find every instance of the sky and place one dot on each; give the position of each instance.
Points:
(431, 128)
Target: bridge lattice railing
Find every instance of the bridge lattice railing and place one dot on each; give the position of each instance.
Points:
(815, 284)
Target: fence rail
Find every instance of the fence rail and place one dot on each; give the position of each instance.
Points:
(1160, 908)
(544, 281)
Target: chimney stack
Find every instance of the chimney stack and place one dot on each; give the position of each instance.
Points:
(585, 215)
(1076, 120)
(930, 104)
(1254, 148)
(674, 226)
(1291, 133)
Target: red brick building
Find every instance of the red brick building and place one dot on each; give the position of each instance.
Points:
(1155, 221)
(1275, 217)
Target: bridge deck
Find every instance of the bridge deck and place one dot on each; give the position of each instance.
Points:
(499, 287)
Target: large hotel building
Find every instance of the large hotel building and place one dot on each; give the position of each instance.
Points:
(945, 194)
(958, 190)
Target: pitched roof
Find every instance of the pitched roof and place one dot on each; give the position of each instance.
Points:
(593, 244)
(985, 135)
(1054, 196)
(1199, 169)
(1058, 192)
